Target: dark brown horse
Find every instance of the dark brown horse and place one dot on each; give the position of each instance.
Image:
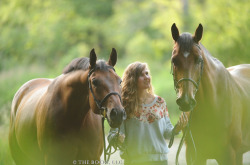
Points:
(57, 121)
(219, 99)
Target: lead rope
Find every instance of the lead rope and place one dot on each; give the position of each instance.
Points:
(104, 141)
(183, 138)
(189, 120)
(103, 111)
(108, 151)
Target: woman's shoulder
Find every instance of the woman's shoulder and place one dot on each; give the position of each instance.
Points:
(163, 106)
(162, 103)
(160, 99)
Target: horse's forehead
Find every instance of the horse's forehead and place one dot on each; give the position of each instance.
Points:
(186, 54)
(189, 52)
(106, 73)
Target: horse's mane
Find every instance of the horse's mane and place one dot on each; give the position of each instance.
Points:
(185, 41)
(207, 53)
(77, 64)
(83, 64)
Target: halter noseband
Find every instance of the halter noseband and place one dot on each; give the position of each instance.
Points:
(103, 110)
(196, 84)
(187, 128)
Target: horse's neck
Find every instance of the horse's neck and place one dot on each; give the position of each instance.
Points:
(215, 78)
(75, 94)
(213, 91)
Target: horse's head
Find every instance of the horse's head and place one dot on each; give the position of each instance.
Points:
(105, 89)
(187, 66)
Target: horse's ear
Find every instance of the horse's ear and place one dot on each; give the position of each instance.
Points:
(175, 32)
(112, 57)
(92, 59)
(198, 33)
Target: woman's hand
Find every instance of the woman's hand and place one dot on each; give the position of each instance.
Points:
(182, 123)
(121, 138)
(117, 140)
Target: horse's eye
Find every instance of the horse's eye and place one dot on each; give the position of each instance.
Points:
(198, 60)
(175, 61)
(174, 52)
(95, 82)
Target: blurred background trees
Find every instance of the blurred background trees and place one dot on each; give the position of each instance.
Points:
(45, 32)
(38, 38)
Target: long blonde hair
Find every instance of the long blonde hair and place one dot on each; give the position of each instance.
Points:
(129, 87)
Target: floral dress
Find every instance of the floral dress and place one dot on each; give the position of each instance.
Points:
(154, 111)
(146, 133)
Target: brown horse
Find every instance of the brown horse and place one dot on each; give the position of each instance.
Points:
(218, 100)
(57, 121)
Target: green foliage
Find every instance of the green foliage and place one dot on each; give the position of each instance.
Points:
(5, 157)
(46, 31)
(39, 38)
(226, 30)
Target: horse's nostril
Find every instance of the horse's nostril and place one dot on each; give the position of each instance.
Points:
(113, 113)
(178, 101)
(186, 103)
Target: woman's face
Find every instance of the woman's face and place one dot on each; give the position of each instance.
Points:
(144, 79)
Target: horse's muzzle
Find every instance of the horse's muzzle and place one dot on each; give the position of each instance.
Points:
(116, 117)
(186, 104)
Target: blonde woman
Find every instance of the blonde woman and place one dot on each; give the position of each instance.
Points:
(147, 125)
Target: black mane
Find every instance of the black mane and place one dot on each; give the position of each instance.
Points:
(83, 64)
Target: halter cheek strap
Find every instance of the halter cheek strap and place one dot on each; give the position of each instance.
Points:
(187, 128)
(103, 110)
(196, 84)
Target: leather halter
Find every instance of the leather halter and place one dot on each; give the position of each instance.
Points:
(187, 128)
(103, 110)
(196, 84)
